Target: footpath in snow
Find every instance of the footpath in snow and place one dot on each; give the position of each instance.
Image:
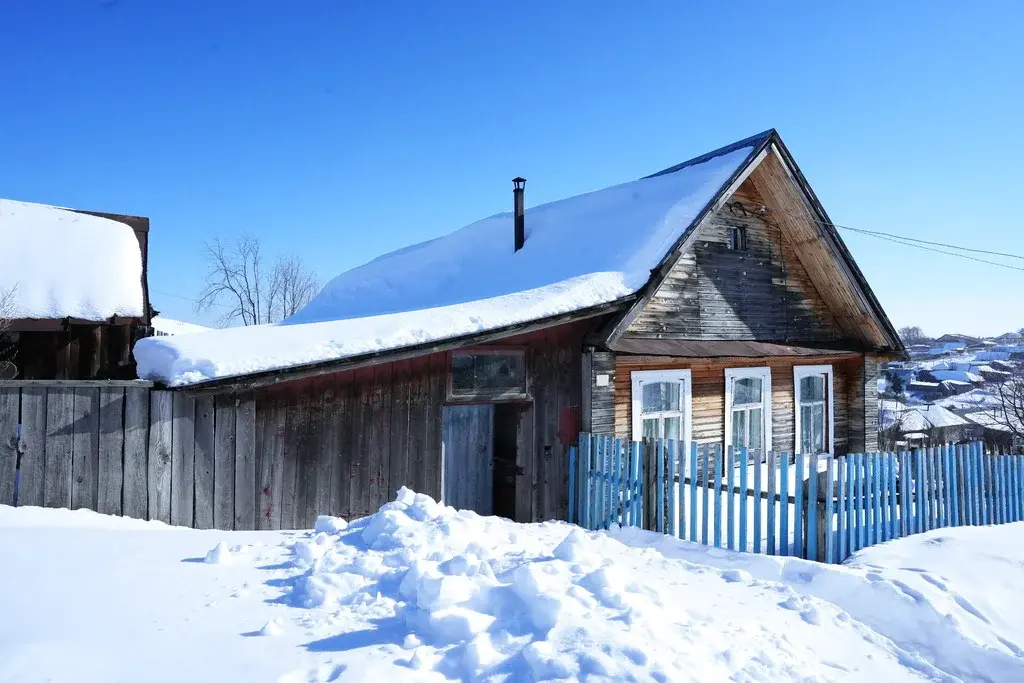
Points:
(422, 592)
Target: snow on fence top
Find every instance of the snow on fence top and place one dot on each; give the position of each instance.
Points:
(62, 264)
(580, 252)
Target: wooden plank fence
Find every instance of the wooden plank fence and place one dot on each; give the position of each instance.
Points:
(125, 448)
(815, 507)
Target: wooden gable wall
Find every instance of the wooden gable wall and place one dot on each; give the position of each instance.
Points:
(762, 293)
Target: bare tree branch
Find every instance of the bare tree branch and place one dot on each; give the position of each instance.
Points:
(237, 279)
(1009, 414)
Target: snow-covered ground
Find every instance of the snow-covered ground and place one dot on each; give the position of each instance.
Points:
(421, 592)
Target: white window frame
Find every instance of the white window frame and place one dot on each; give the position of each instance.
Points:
(639, 377)
(799, 372)
(765, 375)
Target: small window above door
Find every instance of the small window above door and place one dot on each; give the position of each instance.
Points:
(488, 375)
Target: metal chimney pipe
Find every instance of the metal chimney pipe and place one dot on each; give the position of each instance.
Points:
(518, 188)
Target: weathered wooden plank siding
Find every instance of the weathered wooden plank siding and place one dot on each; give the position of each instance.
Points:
(708, 393)
(86, 449)
(760, 293)
(161, 414)
(183, 451)
(10, 417)
(224, 462)
(111, 451)
(57, 456)
(245, 463)
(599, 407)
(136, 443)
(33, 435)
(204, 463)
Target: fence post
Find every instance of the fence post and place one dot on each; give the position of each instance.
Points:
(730, 500)
(757, 502)
(693, 492)
(772, 489)
(675, 447)
(842, 523)
(811, 514)
(825, 524)
(706, 493)
(744, 466)
(799, 522)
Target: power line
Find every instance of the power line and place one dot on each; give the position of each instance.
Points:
(938, 244)
(897, 240)
(911, 241)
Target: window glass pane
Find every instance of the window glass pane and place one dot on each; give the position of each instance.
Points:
(650, 427)
(660, 397)
(673, 428)
(819, 428)
(746, 390)
(756, 423)
(739, 428)
(488, 373)
(812, 388)
(806, 430)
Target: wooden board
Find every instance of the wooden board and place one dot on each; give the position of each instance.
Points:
(204, 463)
(400, 464)
(224, 462)
(308, 452)
(86, 449)
(33, 442)
(380, 438)
(161, 413)
(58, 451)
(270, 428)
(182, 459)
(468, 448)
(110, 470)
(10, 411)
(136, 445)
(245, 463)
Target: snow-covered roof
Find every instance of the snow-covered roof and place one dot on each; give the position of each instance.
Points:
(957, 376)
(64, 264)
(163, 325)
(580, 252)
(916, 418)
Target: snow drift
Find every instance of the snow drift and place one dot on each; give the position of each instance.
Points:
(62, 264)
(580, 252)
(422, 592)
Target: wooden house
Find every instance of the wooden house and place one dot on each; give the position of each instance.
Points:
(749, 324)
(75, 283)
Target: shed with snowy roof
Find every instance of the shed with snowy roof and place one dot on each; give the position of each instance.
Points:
(711, 302)
(73, 292)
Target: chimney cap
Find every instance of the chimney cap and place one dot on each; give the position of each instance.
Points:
(519, 181)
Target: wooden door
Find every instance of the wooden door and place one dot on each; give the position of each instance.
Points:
(467, 457)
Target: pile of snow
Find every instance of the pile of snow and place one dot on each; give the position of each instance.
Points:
(579, 252)
(164, 326)
(422, 592)
(60, 264)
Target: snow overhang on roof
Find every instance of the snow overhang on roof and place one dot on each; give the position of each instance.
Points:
(63, 264)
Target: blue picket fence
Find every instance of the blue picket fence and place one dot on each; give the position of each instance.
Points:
(816, 507)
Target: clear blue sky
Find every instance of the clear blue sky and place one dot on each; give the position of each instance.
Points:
(342, 130)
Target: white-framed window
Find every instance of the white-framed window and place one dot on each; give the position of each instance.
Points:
(814, 407)
(661, 404)
(748, 408)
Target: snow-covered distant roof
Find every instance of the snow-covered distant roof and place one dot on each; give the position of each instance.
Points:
(63, 264)
(169, 326)
(957, 376)
(975, 399)
(581, 252)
